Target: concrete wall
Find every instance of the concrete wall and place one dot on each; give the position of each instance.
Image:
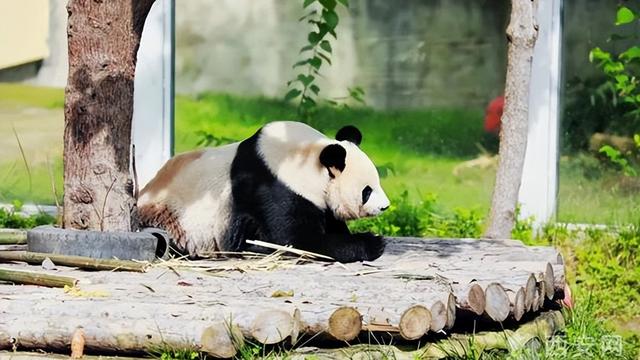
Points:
(409, 53)
(404, 56)
(23, 32)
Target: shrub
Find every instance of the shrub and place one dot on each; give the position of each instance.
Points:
(12, 218)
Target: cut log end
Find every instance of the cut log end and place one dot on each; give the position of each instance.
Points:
(221, 340)
(517, 300)
(77, 344)
(497, 302)
(476, 299)
(549, 281)
(415, 322)
(451, 311)
(271, 327)
(529, 293)
(345, 323)
(438, 316)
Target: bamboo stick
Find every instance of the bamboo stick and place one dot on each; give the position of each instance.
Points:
(36, 278)
(74, 261)
(12, 236)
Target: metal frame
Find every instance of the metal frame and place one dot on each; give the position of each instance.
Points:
(153, 104)
(539, 186)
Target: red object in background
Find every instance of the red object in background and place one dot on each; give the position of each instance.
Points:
(493, 114)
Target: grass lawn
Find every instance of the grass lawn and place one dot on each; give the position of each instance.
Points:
(420, 147)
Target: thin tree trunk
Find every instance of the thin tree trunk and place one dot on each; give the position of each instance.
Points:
(103, 38)
(521, 33)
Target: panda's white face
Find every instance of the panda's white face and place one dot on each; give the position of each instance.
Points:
(355, 192)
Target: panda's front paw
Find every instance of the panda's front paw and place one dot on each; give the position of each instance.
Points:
(373, 245)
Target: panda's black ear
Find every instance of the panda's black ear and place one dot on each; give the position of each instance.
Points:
(349, 133)
(333, 156)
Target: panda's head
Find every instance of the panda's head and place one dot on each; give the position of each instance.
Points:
(354, 189)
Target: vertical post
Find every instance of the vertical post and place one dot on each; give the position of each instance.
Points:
(539, 187)
(153, 108)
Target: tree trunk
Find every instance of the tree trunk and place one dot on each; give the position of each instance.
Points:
(521, 34)
(103, 38)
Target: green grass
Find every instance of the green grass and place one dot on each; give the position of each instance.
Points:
(21, 95)
(411, 143)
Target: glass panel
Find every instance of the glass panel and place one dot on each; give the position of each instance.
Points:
(594, 189)
(428, 70)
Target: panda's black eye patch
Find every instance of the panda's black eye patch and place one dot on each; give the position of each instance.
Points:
(366, 192)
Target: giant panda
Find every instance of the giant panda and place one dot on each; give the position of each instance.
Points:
(288, 184)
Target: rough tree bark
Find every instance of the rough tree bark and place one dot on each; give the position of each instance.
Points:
(521, 33)
(103, 38)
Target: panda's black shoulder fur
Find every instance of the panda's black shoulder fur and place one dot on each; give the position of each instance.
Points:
(264, 208)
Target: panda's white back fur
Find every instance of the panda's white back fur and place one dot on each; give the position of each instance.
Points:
(195, 194)
(195, 187)
(291, 151)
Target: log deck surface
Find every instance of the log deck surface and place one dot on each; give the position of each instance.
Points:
(418, 287)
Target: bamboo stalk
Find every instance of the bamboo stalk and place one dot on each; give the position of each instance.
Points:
(36, 278)
(74, 261)
(12, 236)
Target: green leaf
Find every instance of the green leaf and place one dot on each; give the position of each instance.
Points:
(613, 67)
(636, 139)
(311, 13)
(328, 4)
(314, 88)
(306, 48)
(301, 63)
(624, 16)
(314, 38)
(325, 57)
(306, 79)
(316, 62)
(326, 46)
(631, 53)
(599, 54)
(292, 94)
(307, 3)
(331, 18)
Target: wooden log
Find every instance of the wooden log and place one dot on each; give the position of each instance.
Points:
(77, 344)
(221, 340)
(438, 316)
(549, 281)
(542, 291)
(272, 327)
(497, 302)
(540, 329)
(75, 261)
(471, 298)
(451, 311)
(24, 355)
(36, 278)
(517, 303)
(13, 236)
(415, 322)
(529, 292)
(345, 323)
